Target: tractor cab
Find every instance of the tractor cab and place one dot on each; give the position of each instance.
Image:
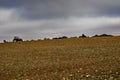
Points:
(17, 39)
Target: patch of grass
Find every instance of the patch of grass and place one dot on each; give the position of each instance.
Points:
(61, 59)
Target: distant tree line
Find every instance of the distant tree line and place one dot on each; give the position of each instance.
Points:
(82, 36)
(17, 39)
(63, 37)
(102, 35)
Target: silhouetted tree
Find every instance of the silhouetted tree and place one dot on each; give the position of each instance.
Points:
(96, 35)
(83, 35)
(63, 37)
(105, 35)
(46, 39)
(4, 41)
(102, 35)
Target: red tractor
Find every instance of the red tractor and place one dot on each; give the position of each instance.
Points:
(17, 39)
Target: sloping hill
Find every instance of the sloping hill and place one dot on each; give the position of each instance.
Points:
(61, 59)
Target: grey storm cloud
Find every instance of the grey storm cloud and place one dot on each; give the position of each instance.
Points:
(65, 8)
(49, 18)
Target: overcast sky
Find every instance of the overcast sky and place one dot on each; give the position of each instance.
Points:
(37, 19)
